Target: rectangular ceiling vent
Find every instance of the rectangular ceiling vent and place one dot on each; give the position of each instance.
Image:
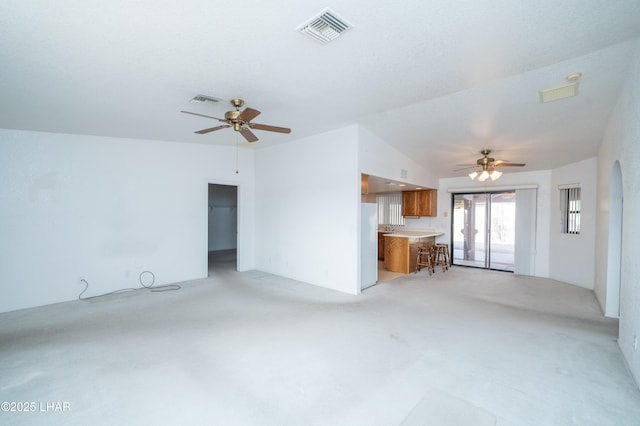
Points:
(204, 99)
(325, 27)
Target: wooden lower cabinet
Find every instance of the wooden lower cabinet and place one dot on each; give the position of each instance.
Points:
(396, 254)
(380, 246)
(413, 256)
(401, 255)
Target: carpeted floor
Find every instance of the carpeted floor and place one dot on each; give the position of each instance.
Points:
(465, 347)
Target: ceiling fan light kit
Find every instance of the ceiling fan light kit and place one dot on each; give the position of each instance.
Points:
(486, 174)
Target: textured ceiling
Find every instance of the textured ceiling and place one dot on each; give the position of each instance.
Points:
(440, 80)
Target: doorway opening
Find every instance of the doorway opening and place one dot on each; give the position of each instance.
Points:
(222, 227)
(483, 230)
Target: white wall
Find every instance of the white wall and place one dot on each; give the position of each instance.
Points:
(378, 158)
(569, 251)
(622, 143)
(106, 209)
(509, 180)
(307, 210)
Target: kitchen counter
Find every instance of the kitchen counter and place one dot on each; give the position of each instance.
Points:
(412, 234)
(401, 248)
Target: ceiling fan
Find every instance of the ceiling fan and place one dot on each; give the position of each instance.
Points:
(240, 121)
(485, 167)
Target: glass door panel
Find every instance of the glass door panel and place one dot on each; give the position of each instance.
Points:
(469, 230)
(483, 231)
(503, 231)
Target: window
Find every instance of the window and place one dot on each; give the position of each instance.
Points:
(390, 210)
(570, 209)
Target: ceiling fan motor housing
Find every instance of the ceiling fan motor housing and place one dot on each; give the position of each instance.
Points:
(231, 115)
(232, 118)
(485, 161)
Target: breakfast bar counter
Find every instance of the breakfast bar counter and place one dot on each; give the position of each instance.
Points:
(401, 249)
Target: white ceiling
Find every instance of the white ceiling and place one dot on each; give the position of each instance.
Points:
(438, 79)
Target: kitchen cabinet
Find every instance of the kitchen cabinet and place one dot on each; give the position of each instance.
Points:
(420, 203)
(364, 184)
(401, 253)
(380, 245)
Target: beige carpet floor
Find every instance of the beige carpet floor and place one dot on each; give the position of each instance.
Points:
(465, 347)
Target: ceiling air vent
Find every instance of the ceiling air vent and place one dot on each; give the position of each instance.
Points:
(204, 99)
(325, 27)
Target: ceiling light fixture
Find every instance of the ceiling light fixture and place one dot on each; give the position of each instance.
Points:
(486, 173)
(561, 92)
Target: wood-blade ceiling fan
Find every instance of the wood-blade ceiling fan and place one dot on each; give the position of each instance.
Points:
(485, 166)
(240, 121)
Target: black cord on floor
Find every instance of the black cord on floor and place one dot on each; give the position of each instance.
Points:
(167, 287)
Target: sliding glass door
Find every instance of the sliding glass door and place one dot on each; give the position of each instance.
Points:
(483, 231)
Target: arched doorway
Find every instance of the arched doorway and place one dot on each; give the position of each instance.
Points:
(612, 308)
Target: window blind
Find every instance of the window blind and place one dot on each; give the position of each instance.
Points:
(570, 208)
(390, 209)
(525, 238)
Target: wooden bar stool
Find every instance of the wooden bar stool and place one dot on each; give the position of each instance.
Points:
(447, 254)
(441, 256)
(425, 259)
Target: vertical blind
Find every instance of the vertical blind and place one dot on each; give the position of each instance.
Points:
(570, 208)
(524, 262)
(390, 209)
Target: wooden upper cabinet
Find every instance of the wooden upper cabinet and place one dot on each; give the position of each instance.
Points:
(428, 203)
(420, 203)
(364, 184)
(410, 203)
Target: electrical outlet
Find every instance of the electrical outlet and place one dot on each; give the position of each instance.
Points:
(635, 343)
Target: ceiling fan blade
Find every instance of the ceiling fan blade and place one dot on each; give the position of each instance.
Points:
(270, 128)
(466, 168)
(248, 114)
(505, 164)
(466, 165)
(202, 115)
(205, 131)
(248, 135)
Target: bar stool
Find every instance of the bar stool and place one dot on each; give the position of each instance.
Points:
(425, 259)
(447, 254)
(441, 256)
